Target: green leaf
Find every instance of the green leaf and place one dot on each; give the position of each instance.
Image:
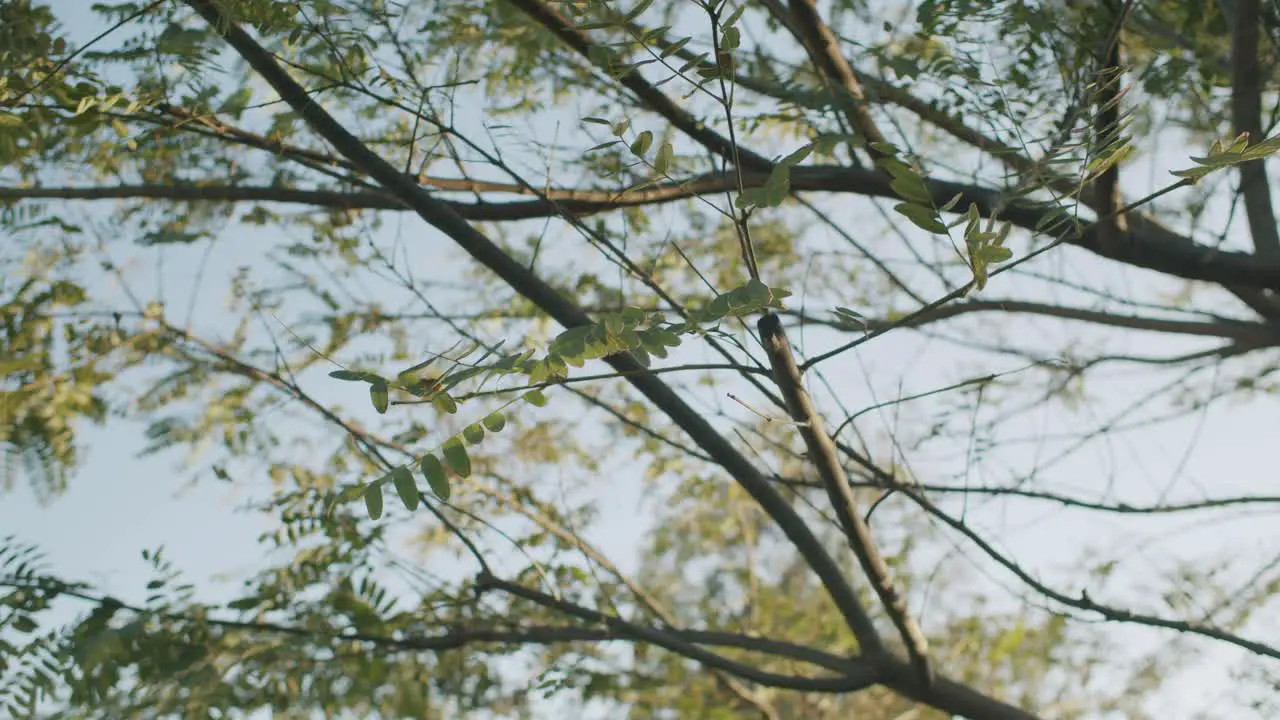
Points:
(642, 143)
(380, 395)
(796, 157)
(445, 403)
(473, 433)
(730, 39)
(651, 344)
(719, 307)
(951, 203)
(495, 421)
(666, 337)
(23, 624)
(756, 292)
(613, 323)
(535, 398)
(662, 162)
(349, 375)
(638, 10)
(912, 189)
(596, 121)
(245, 603)
(455, 455)
(995, 254)
(437, 478)
(406, 488)
(373, 499)
(556, 369)
(733, 17)
(675, 47)
(922, 216)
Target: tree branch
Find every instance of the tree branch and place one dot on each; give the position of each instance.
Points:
(1108, 141)
(824, 51)
(861, 680)
(1147, 244)
(822, 453)
(944, 694)
(1084, 602)
(1240, 331)
(1246, 115)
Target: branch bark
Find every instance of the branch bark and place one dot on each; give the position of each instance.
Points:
(1147, 244)
(1108, 90)
(824, 51)
(1246, 115)
(822, 453)
(1240, 331)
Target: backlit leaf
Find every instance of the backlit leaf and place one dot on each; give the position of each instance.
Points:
(380, 395)
(455, 455)
(406, 488)
(373, 499)
(437, 478)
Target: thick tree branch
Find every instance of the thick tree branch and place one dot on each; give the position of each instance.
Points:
(439, 215)
(1108, 142)
(944, 694)
(822, 453)
(662, 638)
(1147, 244)
(1246, 115)
(824, 51)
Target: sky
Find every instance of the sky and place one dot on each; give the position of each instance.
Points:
(119, 504)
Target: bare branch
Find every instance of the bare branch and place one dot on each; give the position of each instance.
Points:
(822, 453)
(824, 51)
(1240, 331)
(1084, 602)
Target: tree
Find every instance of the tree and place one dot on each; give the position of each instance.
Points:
(574, 249)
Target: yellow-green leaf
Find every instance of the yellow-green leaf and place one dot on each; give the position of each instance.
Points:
(445, 403)
(642, 143)
(473, 433)
(455, 454)
(437, 478)
(380, 395)
(495, 421)
(406, 488)
(662, 162)
(373, 499)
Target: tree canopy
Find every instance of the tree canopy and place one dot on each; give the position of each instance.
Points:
(698, 359)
